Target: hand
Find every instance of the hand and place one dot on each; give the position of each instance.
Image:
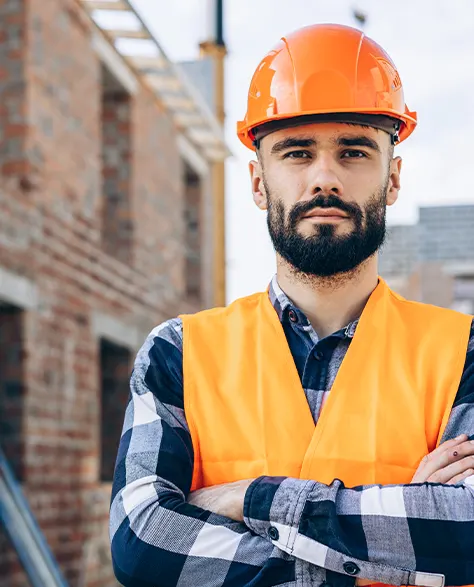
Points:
(450, 463)
(226, 499)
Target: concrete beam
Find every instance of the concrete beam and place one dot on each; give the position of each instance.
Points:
(18, 290)
(114, 63)
(192, 156)
(117, 331)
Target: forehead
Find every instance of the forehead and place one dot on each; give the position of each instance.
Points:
(327, 132)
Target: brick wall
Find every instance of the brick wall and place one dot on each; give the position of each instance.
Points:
(13, 117)
(158, 192)
(52, 232)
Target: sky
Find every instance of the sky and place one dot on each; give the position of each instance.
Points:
(431, 43)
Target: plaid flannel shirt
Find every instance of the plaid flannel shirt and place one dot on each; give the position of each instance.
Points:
(296, 532)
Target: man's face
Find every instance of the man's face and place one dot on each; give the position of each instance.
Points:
(326, 187)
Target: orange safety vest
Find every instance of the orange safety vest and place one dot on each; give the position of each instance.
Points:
(388, 407)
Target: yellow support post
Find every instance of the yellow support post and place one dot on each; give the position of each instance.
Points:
(215, 49)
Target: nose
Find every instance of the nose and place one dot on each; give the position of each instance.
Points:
(325, 179)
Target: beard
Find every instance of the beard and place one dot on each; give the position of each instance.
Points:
(325, 253)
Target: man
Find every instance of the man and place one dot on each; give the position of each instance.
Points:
(317, 433)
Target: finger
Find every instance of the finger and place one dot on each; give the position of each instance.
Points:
(442, 456)
(452, 452)
(457, 453)
(465, 448)
(461, 477)
(439, 458)
(447, 445)
(446, 473)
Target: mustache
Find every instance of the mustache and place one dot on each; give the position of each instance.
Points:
(330, 201)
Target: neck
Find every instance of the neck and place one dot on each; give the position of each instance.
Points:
(330, 303)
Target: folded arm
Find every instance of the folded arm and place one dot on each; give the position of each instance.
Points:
(392, 534)
(157, 538)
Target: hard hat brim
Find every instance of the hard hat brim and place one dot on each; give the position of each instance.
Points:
(408, 122)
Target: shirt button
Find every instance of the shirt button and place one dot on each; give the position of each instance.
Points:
(293, 316)
(351, 568)
(273, 533)
(319, 356)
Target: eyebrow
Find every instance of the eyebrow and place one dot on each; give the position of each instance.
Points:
(359, 141)
(290, 142)
(348, 141)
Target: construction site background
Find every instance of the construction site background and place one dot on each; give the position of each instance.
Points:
(432, 261)
(106, 230)
(111, 221)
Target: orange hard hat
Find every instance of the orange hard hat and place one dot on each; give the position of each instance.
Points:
(325, 69)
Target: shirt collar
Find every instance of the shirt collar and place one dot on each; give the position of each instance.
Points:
(280, 301)
(283, 306)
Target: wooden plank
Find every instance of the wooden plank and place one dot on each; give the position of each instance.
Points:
(179, 102)
(127, 34)
(103, 5)
(189, 120)
(163, 83)
(144, 62)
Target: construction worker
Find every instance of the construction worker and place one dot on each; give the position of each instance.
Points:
(316, 433)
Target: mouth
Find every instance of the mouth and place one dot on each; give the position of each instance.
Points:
(326, 214)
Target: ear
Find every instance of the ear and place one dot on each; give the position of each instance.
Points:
(394, 180)
(258, 189)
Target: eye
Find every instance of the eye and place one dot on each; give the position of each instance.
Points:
(296, 155)
(354, 154)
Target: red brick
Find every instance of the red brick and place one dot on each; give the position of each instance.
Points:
(52, 232)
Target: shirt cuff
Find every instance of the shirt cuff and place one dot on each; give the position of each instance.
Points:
(274, 508)
(273, 502)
